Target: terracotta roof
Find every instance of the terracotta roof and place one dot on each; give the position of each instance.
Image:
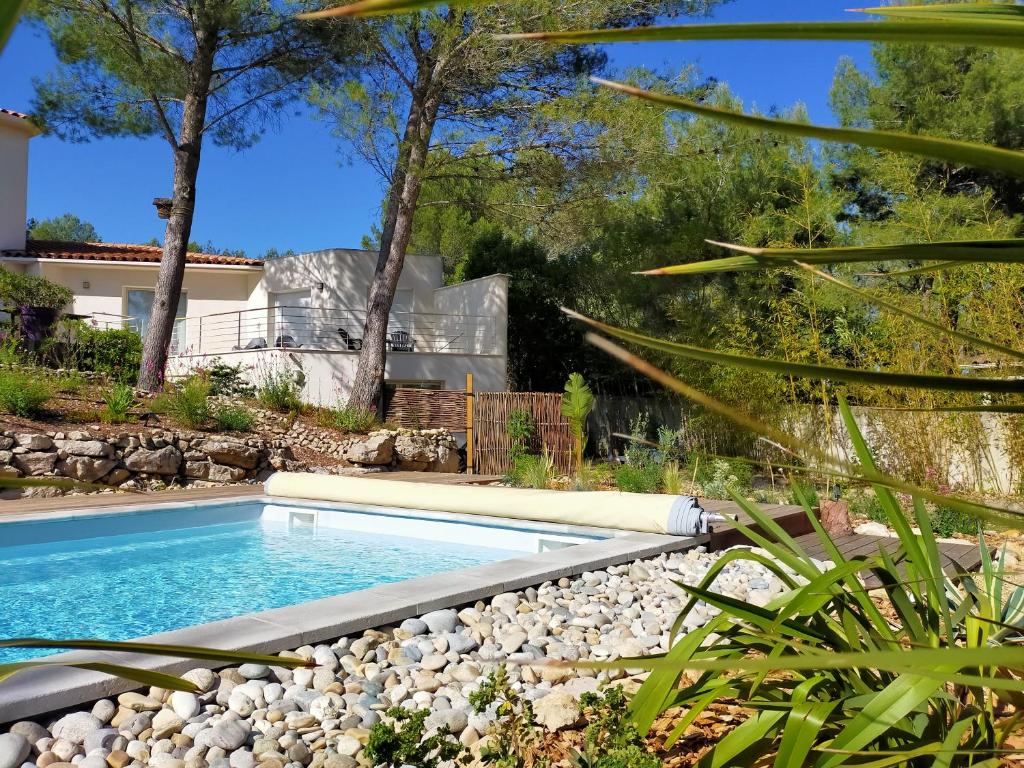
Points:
(57, 249)
(12, 113)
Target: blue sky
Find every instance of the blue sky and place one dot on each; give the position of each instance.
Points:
(296, 190)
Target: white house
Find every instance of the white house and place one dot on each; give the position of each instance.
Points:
(302, 312)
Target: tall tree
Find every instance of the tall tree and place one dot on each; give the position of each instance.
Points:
(439, 96)
(184, 70)
(67, 227)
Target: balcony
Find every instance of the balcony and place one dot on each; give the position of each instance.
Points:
(330, 329)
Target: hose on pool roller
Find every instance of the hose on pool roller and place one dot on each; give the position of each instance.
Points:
(646, 513)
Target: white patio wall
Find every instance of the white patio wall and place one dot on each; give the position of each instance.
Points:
(329, 374)
(485, 296)
(14, 136)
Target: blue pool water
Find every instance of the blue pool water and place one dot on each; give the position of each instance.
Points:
(122, 586)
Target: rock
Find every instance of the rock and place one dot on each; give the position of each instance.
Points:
(14, 750)
(556, 711)
(414, 627)
(138, 703)
(232, 453)
(84, 468)
(229, 735)
(105, 710)
(32, 732)
(441, 622)
(118, 759)
(348, 745)
(166, 722)
(223, 474)
(434, 662)
(162, 461)
(33, 463)
(197, 470)
(871, 529)
(373, 450)
(96, 449)
(75, 727)
(34, 442)
(455, 720)
(185, 704)
(101, 738)
(254, 671)
(414, 452)
(447, 460)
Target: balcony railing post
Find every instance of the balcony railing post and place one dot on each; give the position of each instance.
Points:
(238, 333)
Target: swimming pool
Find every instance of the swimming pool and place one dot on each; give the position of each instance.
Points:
(129, 574)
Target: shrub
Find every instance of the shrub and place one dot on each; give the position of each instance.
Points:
(119, 400)
(280, 392)
(23, 393)
(10, 350)
(228, 379)
(947, 521)
(531, 471)
(21, 290)
(643, 478)
(409, 744)
(610, 739)
(234, 418)
(114, 351)
(515, 739)
(348, 419)
(867, 505)
(673, 480)
(71, 382)
(187, 402)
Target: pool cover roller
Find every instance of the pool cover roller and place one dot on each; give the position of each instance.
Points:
(647, 513)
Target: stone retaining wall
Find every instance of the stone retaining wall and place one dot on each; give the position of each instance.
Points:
(143, 460)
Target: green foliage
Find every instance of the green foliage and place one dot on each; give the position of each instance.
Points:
(947, 521)
(23, 290)
(10, 350)
(642, 478)
(532, 471)
(227, 379)
(515, 734)
(673, 479)
(67, 227)
(118, 401)
(279, 391)
(24, 392)
(611, 740)
(348, 419)
(409, 744)
(800, 490)
(577, 403)
(114, 351)
(717, 477)
(233, 418)
(187, 402)
(70, 382)
(866, 504)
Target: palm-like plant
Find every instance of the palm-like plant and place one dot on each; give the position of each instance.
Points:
(577, 403)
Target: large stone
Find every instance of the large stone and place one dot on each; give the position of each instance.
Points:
(197, 470)
(185, 705)
(441, 622)
(227, 734)
(75, 727)
(162, 461)
(85, 468)
(556, 711)
(414, 452)
(35, 463)
(220, 473)
(32, 731)
(447, 460)
(14, 749)
(96, 449)
(232, 453)
(34, 442)
(373, 449)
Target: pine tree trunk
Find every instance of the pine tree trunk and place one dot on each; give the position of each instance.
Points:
(403, 194)
(179, 225)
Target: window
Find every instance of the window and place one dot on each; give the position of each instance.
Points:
(139, 308)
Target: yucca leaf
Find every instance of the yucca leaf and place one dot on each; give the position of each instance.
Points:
(997, 515)
(755, 734)
(996, 32)
(927, 268)
(10, 12)
(956, 409)
(1001, 251)
(812, 370)
(802, 730)
(364, 8)
(951, 11)
(158, 649)
(143, 676)
(947, 150)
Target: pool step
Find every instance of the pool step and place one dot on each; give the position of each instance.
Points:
(791, 517)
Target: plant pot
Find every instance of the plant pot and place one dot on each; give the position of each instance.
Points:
(36, 323)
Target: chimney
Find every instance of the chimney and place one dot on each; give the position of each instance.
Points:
(15, 132)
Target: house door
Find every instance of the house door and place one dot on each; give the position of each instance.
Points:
(292, 315)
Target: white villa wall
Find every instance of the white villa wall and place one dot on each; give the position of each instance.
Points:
(485, 296)
(328, 374)
(210, 289)
(346, 275)
(14, 136)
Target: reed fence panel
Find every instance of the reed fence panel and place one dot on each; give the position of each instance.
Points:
(491, 412)
(427, 409)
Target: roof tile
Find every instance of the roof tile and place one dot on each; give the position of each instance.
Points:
(57, 249)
